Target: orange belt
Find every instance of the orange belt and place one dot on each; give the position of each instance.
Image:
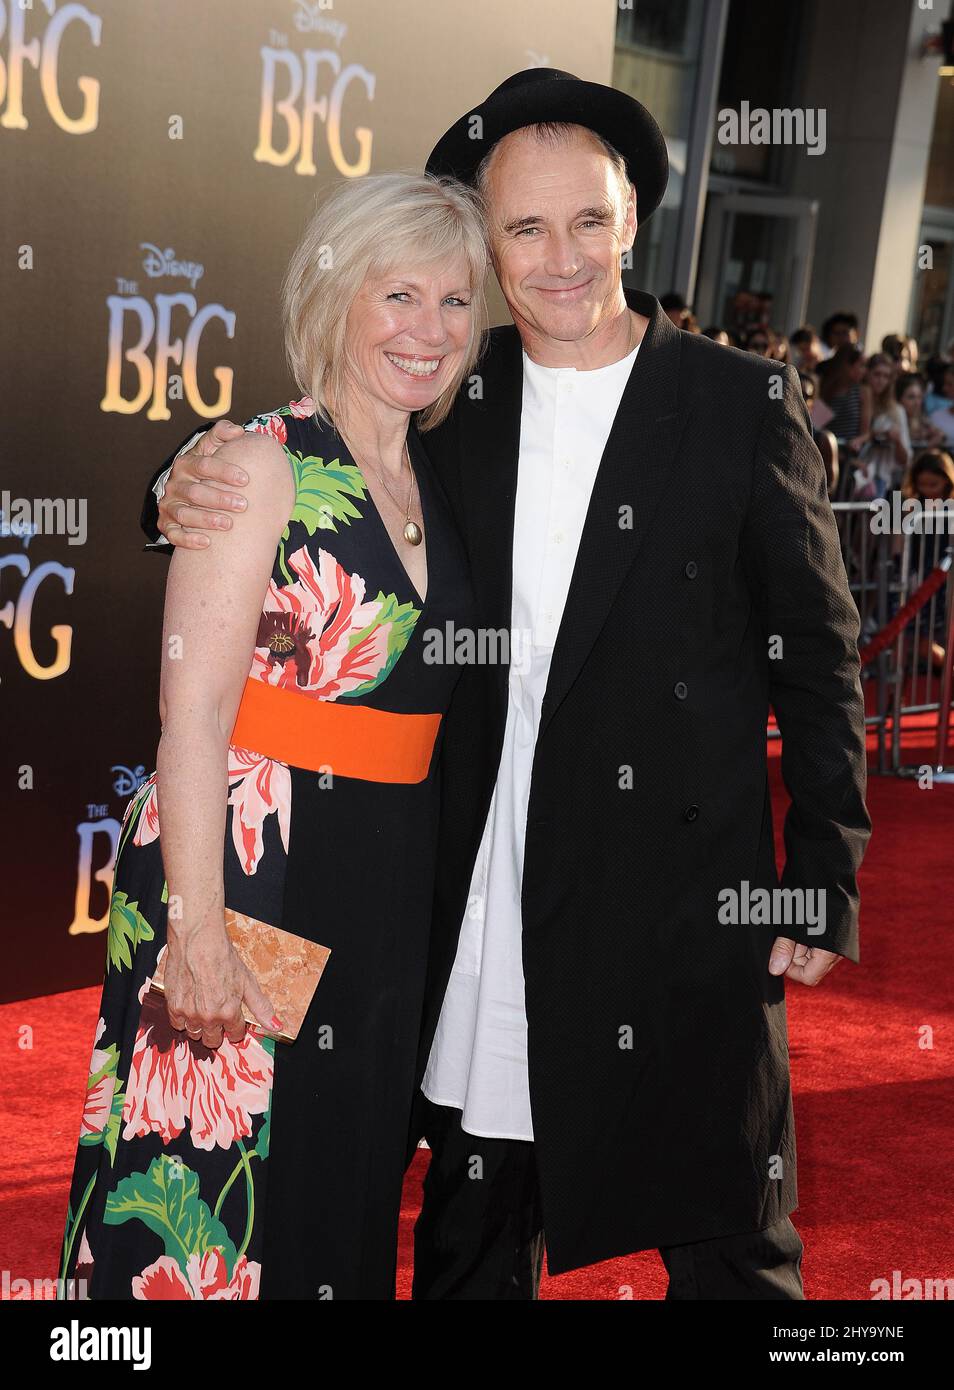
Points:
(374, 745)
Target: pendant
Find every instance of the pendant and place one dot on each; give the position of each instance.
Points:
(413, 533)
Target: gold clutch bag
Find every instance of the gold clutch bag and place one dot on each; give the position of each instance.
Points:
(287, 968)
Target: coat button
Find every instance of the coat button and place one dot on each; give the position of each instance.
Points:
(680, 690)
(691, 813)
(691, 570)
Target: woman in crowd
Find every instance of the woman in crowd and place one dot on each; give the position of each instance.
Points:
(930, 480)
(909, 389)
(884, 450)
(844, 391)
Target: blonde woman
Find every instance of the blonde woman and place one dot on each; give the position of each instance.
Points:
(295, 782)
(886, 447)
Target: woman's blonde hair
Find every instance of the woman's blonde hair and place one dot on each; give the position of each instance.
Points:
(369, 226)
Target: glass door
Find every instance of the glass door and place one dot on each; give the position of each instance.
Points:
(754, 244)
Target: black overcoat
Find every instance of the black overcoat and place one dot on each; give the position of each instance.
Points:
(658, 1054)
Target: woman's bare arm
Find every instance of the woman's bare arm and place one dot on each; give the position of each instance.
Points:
(213, 604)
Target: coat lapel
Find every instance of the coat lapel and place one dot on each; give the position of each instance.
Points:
(632, 473)
(489, 449)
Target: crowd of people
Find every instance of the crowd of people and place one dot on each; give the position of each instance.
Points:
(882, 423)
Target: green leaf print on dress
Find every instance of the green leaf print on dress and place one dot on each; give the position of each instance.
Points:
(200, 1259)
(103, 1111)
(127, 928)
(399, 619)
(166, 1198)
(324, 492)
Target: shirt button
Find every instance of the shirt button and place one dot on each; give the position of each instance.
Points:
(691, 570)
(691, 813)
(557, 537)
(680, 690)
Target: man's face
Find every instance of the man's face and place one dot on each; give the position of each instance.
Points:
(842, 334)
(558, 227)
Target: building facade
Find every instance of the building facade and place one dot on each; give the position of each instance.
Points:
(812, 151)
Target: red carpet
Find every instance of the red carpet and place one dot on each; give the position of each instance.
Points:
(873, 1103)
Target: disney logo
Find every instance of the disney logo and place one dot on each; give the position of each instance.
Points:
(310, 20)
(129, 779)
(158, 263)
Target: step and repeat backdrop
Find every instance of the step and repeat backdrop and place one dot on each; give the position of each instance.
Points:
(158, 162)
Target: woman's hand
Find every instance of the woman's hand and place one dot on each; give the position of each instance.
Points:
(206, 983)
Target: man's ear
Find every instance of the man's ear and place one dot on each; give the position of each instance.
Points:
(630, 222)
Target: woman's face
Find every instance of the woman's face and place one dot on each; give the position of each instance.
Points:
(408, 332)
(856, 371)
(928, 484)
(879, 378)
(911, 398)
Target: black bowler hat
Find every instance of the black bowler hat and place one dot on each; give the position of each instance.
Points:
(547, 94)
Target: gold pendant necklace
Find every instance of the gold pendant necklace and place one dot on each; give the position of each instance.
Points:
(413, 533)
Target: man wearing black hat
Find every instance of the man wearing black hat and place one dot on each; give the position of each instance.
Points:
(605, 1054)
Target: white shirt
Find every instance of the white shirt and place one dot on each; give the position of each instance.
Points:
(478, 1060)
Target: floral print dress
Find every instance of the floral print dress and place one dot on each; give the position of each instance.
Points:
(264, 1169)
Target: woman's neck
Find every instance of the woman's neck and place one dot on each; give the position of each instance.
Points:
(373, 430)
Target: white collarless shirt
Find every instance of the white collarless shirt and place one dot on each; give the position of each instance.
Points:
(478, 1059)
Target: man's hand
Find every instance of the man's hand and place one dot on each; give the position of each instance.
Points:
(194, 502)
(807, 964)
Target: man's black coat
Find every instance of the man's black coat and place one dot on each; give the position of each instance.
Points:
(709, 583)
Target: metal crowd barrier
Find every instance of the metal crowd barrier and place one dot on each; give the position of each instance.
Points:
(913, 674)
(922, 655)
(868, 564)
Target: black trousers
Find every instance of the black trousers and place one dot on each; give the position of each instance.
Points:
(480, 1231)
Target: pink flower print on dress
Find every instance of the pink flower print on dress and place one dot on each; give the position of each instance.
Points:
(147, 828)
(205, 1279)
(272, 425)
(175, 1079)
(306, 637)
(99, 1096)
(259, 787)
